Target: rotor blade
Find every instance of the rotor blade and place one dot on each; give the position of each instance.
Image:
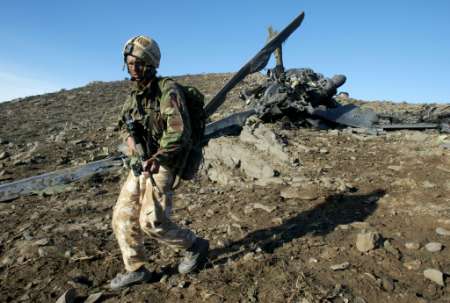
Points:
(397, 126)
(224, 126)
(10, 191)
(349, 115)
(256, 64)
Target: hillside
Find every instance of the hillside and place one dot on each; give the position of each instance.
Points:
(293, 214)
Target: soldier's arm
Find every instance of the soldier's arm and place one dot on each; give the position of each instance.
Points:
(123, 133)
(174, 137)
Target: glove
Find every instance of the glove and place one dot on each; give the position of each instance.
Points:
(150, 166)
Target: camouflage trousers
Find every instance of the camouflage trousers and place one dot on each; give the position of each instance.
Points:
(143, 208)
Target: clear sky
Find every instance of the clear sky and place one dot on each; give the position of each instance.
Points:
(390, 50)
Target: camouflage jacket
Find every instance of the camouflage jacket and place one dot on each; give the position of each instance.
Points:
(160, 108)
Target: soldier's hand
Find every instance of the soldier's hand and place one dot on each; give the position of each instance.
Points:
(151, 166)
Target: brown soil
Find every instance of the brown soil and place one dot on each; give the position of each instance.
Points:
(397, 184)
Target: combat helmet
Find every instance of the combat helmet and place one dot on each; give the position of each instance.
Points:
(144, 48)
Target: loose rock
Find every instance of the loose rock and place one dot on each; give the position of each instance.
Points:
(412, 245)
(391, 249)
(41, 242)
(360, 225)
(412, 265)
(442, 231)
(367, 241)
(302, 193)
(341, 266)
(388, 284)
(434, 275)
(268, 209)
(4, 155)
(434, 247)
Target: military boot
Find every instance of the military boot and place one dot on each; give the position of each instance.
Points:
(194, 257)
(130, 278)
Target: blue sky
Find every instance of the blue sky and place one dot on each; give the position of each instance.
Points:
(389, 50)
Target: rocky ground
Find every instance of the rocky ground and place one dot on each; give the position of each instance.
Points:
(293, 215)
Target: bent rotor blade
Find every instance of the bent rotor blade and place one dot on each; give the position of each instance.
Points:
(348, 115)
(256, 64)
(227, 126)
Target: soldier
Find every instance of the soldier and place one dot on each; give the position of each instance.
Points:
(145, 201)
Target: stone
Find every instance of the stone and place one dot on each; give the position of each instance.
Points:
(235, 155)
(248, 256)
(21, 162)
(41, 242)
(164, 279)
(395, 167)
(391, 249)
(360, 225)
(442, 231)
(265, 140)
(444, 222)
(35, 216)
(6, 261)
(48, 251)
(341, 266)
(434, 247)
(405, 182)
(412, 245)
(24, 297)
(417, 136)
(27, 235)
(4, 155)
(268, 181)
(223, 243)
(434, 275)
(277, 221)
(367, 241)
(329, 253)
(387, 284)
(428, 184)
(26, 249)
(323, 151)
(412, 265)
(343, 227)
(183, 284)
(302, 193)
(266, 208)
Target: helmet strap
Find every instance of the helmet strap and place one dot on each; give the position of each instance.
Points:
(149, 72)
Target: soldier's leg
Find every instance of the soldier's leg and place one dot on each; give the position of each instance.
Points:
(125, 223)
(155, 212)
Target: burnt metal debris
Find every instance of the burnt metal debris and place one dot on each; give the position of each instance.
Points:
(307, 99)
(256, 64)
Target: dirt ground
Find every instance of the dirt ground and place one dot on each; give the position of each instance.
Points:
(269, 243)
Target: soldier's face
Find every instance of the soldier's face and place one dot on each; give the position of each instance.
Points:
(135, 68)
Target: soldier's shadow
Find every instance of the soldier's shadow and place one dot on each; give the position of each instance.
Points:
(320, 220)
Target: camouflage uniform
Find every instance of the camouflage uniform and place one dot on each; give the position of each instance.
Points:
(141, 207)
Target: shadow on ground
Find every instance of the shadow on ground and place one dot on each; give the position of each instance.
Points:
(321, 220)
